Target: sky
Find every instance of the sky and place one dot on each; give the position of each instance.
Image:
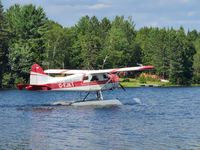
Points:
(156, 13)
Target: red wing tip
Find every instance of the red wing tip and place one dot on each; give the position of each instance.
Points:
(147, 67)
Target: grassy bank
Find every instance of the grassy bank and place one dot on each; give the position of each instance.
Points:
(130, 82)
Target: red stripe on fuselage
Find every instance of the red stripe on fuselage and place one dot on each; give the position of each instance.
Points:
(75, 84)
(51, 86)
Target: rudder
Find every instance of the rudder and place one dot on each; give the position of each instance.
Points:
(37, 75)
(37, 68)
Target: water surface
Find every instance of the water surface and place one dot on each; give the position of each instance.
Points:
(151, 118)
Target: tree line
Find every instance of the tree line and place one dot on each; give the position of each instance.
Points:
(27, 36)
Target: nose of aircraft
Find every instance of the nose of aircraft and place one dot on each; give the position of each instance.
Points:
(114, 78)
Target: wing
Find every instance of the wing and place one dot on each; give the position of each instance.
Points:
(126, 69)
(65, 71)
(115, 70)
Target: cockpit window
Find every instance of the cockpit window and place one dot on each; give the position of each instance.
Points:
(105, 76)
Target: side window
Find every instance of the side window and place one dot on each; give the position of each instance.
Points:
(105, 76)
(94, 78)
(85, 78)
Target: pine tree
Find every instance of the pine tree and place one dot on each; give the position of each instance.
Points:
(88, 43)
(196, 63)
(27, 25)
(181, 59)
(58, 43)
(3, 44)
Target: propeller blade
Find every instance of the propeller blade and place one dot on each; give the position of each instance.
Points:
(122, 86)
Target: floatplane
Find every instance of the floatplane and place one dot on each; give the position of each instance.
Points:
(88, 81)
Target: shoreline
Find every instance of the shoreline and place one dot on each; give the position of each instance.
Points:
(136, 83)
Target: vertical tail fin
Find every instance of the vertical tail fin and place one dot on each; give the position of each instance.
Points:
(37, 75)
(37, 69)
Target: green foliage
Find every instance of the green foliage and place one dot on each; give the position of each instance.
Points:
(88, 43)
(181, 60)
(120, 47)
(196, 63)
(170, 51)
(142, 80)
(26, 46)
(3, 44)
(7, 80)
(58, 43)
(27, 37)
(126, 80)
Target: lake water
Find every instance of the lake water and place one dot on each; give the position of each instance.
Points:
(150, 118)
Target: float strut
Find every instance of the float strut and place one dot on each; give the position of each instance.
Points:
(99, 95)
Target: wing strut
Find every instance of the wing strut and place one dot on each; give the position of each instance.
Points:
(86, 96)
(99, 96)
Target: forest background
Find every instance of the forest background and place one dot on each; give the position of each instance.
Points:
(27, 36)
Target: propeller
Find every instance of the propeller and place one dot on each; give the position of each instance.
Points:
(122, 86)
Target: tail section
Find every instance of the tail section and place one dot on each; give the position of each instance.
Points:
(37, 69)
(37, 75)
(38, 80)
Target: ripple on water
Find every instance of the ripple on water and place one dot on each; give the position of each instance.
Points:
(151, 118)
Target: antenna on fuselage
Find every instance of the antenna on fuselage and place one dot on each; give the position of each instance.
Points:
(139, 64)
